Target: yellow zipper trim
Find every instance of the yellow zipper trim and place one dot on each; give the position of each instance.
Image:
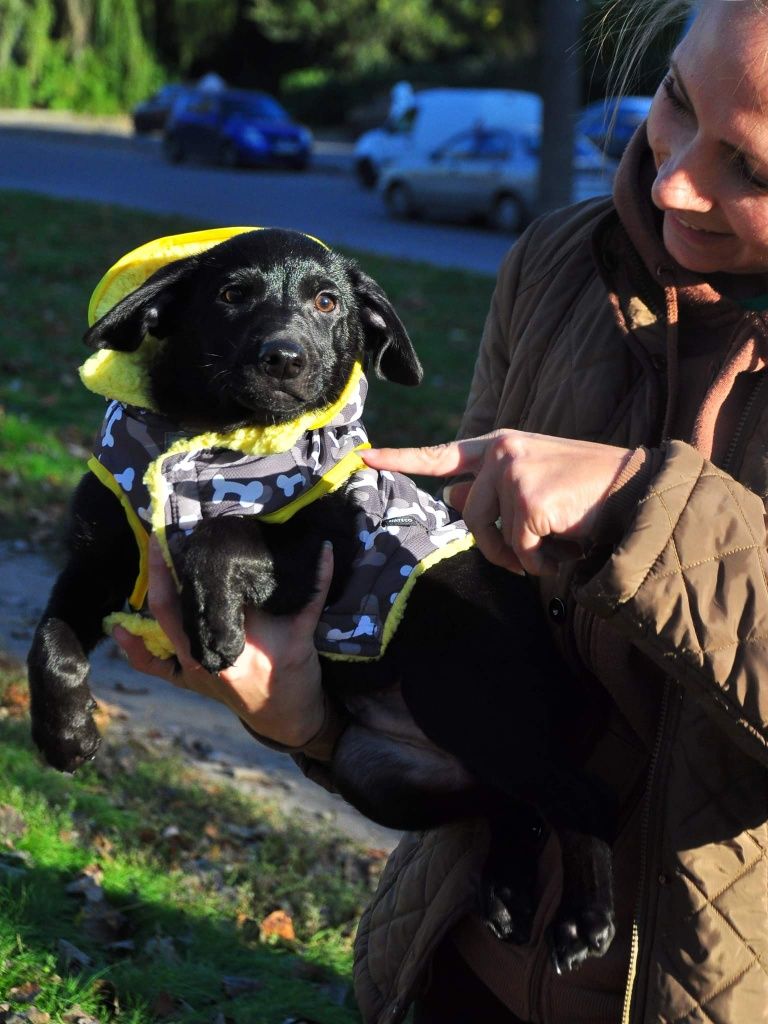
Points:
(139, 594)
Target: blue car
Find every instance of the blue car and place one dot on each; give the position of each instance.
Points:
(610, 123)
(235, 128)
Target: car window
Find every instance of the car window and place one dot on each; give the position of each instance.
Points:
(262, 107)
(460, 147)
(401, 125)
(499, 145)
(201, 105)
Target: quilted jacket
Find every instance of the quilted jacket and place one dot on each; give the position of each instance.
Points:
(594, 333)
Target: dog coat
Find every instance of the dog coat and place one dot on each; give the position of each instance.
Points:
(168, 481)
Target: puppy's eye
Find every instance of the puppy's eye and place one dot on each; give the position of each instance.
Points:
(232, 294)
(325, 302)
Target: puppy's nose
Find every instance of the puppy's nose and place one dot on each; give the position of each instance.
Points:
(281, 359)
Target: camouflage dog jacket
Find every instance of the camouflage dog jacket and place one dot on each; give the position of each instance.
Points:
(168, 482)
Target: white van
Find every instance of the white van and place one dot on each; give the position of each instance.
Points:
(422, 124)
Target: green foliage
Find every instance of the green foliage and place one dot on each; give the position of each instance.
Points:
(357, 36)
(97, 61)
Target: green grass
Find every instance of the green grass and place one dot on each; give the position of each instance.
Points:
(189, 870)
(53, 253)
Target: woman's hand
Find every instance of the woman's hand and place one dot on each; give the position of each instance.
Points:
(274, 686)
(542, 490)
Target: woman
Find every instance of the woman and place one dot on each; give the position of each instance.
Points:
(627, 347)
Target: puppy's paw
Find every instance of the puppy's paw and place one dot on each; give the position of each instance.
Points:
(577, 935)
(216, 653)
(68, 738)
(508, 912)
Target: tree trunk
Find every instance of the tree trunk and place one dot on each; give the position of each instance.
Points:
(560, 51)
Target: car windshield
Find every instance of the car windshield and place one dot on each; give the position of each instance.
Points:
(262, 107)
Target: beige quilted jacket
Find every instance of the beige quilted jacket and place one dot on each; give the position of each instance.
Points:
(594, 334)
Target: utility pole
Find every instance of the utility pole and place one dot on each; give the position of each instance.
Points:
(560, 86)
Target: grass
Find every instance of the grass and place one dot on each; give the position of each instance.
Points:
(53, 253)
(187, 872)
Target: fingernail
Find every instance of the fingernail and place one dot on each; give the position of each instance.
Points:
(447, 491)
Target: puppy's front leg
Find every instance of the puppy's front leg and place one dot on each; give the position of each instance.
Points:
(95, 581)
(225, 567)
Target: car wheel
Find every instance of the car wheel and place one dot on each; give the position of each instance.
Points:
(366, 173)
(399, 201)
(228, 154)
(173, 149)
(507, 213)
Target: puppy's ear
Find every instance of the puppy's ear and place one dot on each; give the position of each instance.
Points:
(393, 355)
(147, 310)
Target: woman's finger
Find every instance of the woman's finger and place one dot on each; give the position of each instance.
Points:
(435, 460)
(163, 599)
(309, 616)
(140, 659)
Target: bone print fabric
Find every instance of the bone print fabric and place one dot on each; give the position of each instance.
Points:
(401, 530)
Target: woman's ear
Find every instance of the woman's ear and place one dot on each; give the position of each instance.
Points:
(386, 339)
(147, 310)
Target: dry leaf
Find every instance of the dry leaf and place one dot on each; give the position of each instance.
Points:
(235, 986)
(23, 993)
(277, 925)
(72, 959)
(88, 884)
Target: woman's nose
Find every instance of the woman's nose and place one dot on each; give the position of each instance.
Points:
(682, 184)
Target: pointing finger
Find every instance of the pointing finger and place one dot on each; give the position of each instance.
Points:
(435, 460)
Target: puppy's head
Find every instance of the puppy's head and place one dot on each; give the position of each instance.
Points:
(258, 329)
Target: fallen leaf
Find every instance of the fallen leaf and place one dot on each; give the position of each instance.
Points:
(72, 959)
(104, 923)
(277, 925)
(106, 993)
(23, 993)
(77, 1015)
(161, 947)
(88, 884)
(235, 986)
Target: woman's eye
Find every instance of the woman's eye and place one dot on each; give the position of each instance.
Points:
(747, 174)
(232, 294)
(674, 99)
(325, 302)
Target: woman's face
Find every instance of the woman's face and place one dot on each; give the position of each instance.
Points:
(708, 130)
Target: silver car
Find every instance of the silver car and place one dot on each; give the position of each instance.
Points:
(489, 174)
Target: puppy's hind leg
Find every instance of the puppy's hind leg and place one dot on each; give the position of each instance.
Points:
(584, 924)
(402, 785)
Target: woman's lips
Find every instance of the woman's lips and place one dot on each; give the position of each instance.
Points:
(688, 226)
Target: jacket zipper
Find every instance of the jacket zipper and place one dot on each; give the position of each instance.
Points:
(645, 828)
(749, 406)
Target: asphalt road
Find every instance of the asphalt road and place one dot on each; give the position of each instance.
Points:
(326, 201)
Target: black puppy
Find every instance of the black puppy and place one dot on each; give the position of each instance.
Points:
(463, 708)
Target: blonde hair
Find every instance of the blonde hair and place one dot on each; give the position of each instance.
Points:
(629, 27)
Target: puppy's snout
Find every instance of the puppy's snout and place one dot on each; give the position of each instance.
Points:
(281, 359)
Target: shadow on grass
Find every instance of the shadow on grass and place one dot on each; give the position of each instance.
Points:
(190, 943)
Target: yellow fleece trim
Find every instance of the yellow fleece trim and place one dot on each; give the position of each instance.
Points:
(398, 608)
(139, 594)
(269, 440)
(338, 474)
(155, 639)
(123, 375)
